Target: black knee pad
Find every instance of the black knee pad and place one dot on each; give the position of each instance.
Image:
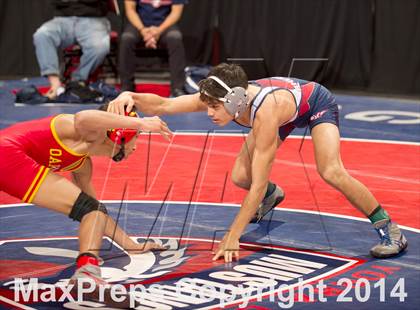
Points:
(85, 204)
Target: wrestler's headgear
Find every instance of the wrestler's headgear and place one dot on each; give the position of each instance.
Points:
(236, 99)
(121, 136)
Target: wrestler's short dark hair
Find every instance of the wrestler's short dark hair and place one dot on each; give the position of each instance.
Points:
(231, 74)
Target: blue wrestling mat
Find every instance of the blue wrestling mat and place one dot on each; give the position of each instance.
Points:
(298, 257)
(292, 248)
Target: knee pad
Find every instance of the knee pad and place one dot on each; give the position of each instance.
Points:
(85, 204)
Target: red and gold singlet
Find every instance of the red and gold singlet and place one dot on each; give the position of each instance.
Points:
(28, 151)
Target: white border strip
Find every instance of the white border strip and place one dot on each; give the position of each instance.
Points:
(14, 303)
(348, 217)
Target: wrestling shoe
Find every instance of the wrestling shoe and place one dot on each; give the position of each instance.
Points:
(88, 274)
(268, 204)
(91, 275)
(392, 242)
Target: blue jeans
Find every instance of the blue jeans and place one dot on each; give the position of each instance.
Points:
(91, 33)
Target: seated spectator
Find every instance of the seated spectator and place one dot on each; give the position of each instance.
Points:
(77, 21)
(154, 24)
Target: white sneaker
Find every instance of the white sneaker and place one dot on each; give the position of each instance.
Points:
(89, 273)
(392, 242)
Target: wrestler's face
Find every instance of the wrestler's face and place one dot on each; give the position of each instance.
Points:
(218, 114)
(130, 147)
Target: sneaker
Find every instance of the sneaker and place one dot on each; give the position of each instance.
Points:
(268, 204)
(90, 273)
(86, 274)
(108, 92)
(392, 242)
(81, 92)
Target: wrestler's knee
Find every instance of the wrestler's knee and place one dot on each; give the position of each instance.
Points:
(333, 174)
(84, 205)
(240, 177)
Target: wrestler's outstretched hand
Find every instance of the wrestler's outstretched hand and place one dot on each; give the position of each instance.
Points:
(157, 125)
(123, 102)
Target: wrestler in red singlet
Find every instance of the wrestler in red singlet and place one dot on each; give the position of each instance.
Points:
(28, 150)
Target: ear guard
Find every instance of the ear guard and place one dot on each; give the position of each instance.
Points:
(119, 135)
(236, 99)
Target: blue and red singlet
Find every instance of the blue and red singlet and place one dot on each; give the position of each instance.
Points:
(314, 103)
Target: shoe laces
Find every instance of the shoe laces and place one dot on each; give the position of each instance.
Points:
(384, 235)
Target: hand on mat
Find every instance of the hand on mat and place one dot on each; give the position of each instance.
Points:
(229, 248)
(155, 124)
(144, 247)
(124, 100)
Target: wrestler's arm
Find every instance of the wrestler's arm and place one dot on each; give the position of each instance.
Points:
(265, 133)
(151, 104)
(90, 124)
(265, 130)
(277, 110)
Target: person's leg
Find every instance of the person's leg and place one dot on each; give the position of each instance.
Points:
(127, 57)
(93, 225)
(59, 194)
(92, 34)
(172, 39)
(52, 35)
(326, 140)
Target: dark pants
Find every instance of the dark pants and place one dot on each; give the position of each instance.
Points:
(170, 39)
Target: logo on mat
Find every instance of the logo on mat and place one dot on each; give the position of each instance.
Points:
(182, 272)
